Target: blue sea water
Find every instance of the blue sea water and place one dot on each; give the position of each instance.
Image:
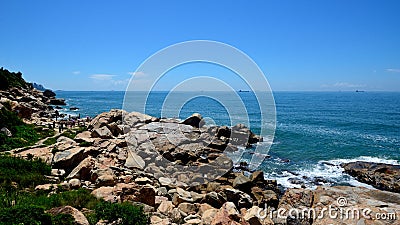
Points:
(315, 131)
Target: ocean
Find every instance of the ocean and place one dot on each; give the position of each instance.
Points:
(315, 131)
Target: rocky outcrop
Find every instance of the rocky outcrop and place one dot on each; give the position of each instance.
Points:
(380, 175)
(338, 205)
(180, 173)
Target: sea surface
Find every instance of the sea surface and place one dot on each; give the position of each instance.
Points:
(315, 131)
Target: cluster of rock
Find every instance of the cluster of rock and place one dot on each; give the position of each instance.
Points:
(30, 104)
(380, 175)
(180, 174)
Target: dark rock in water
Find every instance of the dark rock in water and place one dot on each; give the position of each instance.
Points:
(74, 108)
(49, 93)
(58, 107)
(379, 175)
(58, 101)
(195, 120)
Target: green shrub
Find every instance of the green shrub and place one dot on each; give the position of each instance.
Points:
(23, 172)
(63, 219)
(69, 134)
(85, 144)
(24, 214)
(50, 141)
(128, 213)
(22, 134)
(10, 79)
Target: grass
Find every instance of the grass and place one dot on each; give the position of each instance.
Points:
(20, 204)
(22, 134)
(50, 141)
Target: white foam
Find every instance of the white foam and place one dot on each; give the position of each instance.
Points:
(330, 171)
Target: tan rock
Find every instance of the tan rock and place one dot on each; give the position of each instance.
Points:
(78, 216)
(155, 220)
(74, 183)
(82, 171)
(165, 207)
(84, 136)
(106, 193)
(187, 208)
(69, 158)
(208, 216)
(41, 153)
(134, 161)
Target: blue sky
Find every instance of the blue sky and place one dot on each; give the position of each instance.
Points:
(308, 45)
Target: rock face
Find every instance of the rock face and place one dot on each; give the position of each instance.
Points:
(339, 205)
(381, 176)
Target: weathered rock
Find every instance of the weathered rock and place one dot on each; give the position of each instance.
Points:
(70, 158)
(74, 183)
(380, 175)
(78, 216)
(103, 133)
(115, 130)
(165, 207)
(85, 136)
(208, 216)
(134, 161)
(155, 220)
(6, 131)
(214, 199)
(147, 195)
(106, 179)
(41, 153)
(187, 208)
(106, 193)
(264, 197)
(195, 120)
(82, 171)
(65, 143)
(256, 216)
(357, 198)
(242, 182)
(46, 187)
(227, 215)
(239, 198)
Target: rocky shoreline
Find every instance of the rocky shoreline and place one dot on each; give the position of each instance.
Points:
(178, 171)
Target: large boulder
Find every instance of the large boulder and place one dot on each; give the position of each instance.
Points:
(69, 159)
(57, 101)
(195, 120)
(49, 93)
(103, 133)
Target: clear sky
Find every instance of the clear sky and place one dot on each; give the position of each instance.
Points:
(315, 45)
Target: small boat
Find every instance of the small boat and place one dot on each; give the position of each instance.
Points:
(243, 91)
(359, 91)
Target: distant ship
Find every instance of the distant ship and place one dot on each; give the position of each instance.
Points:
(359, 91)
(243, 91)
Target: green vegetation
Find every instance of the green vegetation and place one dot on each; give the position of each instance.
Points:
(50, 141)
(19, 203)
(85, 144)
(22, 134)
(10, 79)
(22, 172)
